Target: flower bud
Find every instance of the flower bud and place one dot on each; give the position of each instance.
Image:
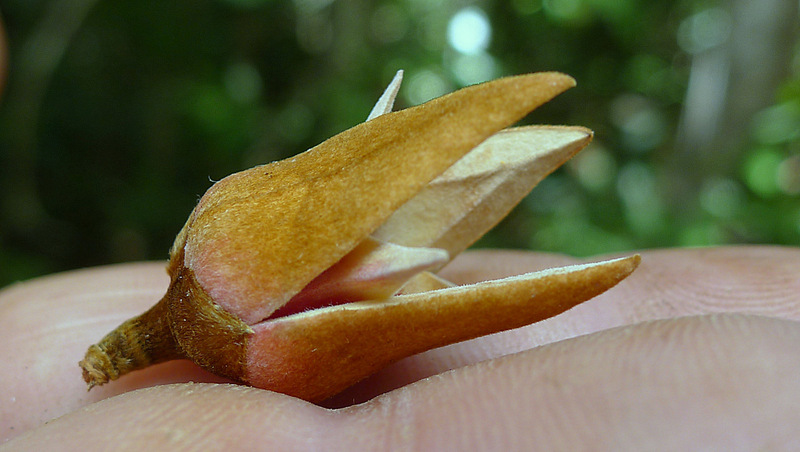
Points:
(308, 274)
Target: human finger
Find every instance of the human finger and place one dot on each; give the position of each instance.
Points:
(720, 382)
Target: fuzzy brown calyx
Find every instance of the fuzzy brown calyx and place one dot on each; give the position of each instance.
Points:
(186, 323)
(207, 334)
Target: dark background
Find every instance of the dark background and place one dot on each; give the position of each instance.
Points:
(116, 115)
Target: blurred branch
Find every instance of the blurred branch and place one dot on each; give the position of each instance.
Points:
(3, 56)
(36, 59)
(728, 84)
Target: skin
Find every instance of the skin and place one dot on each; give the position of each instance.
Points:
(697, 349)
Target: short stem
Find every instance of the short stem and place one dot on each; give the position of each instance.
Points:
(137, 343)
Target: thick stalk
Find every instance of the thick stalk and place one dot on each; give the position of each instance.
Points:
(137, 343)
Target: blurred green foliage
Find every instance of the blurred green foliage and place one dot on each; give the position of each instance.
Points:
(117, 116)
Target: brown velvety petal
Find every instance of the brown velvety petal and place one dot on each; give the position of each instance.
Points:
(258, 237)
(318, 354)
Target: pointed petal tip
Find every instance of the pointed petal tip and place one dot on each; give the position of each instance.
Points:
(589, 132)
(558, 80)
(615, 269)
(386, 101)
(628, 263)
(524, 93)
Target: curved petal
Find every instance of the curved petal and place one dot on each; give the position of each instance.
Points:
(316, 354)
(258, 237)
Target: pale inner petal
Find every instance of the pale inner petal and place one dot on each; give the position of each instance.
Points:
(375, 270)
(474, 194)
(425, 282)
(386, 101)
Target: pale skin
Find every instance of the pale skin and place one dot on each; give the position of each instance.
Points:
(717, 367)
